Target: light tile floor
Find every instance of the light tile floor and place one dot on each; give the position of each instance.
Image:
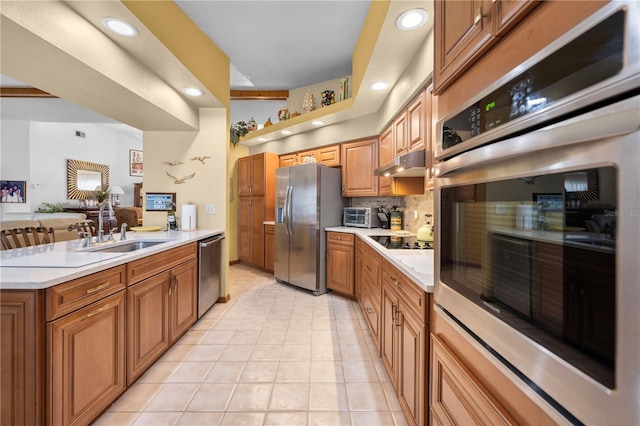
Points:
(273, 355)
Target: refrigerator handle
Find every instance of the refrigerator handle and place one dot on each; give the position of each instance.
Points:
(287, 207)
(289, 224)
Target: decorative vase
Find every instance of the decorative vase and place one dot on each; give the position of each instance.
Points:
(283, 114)
(251, 125)
(308, 101)
(295, 114)
(328, 98)
(267, 123)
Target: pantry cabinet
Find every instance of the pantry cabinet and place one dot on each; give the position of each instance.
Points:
(465, 30)
(340, 262)
(359, 160)
(256, 204)
(269, 247)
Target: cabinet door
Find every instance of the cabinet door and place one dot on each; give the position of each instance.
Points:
(400, 134)
(147, 324)
(183, 299)
(509, 12)
(385, 155)
(257, 231)
(430, 110)
(340, 268)
(288, 160)
(463, 30)
(416, 123)
(357, 274)
(329, 155)
(311, 153)
(269, 247)
(411, 365)
(244, 229)
(244, 176)
(86, 365)
(359, 159)
(21, 361)
(257, 174)
(389, 334)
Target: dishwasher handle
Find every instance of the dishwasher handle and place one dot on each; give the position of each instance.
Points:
(214, 240)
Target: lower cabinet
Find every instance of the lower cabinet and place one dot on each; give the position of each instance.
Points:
(340, 262)
(86, 361)
(371, 291)
(160, 310)
(404, 345)
(457, 397)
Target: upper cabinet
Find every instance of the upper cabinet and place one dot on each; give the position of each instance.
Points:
(255, 173)
(325, 155)
(464, 30)
(359, 159)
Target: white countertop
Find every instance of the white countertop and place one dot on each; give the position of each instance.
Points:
(269, 222)
(415, 264)
(50, 264)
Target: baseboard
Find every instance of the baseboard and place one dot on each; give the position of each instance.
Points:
(224, 299)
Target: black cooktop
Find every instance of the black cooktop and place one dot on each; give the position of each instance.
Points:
(398, 242)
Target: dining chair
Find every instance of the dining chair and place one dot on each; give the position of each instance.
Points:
(84, 228)
(26, 237)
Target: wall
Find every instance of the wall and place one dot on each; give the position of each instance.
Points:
(38, 152)
(410, 206)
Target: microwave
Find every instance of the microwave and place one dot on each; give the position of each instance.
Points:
(360, 217)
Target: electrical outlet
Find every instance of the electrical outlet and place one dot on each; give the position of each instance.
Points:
(415, 214)
(501, 209)
(210, 209)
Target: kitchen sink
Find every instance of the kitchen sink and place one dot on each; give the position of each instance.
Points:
(126, 247)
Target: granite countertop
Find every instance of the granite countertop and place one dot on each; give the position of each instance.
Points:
(415, 264)
(47, 265)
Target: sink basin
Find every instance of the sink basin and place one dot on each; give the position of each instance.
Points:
(127, 246)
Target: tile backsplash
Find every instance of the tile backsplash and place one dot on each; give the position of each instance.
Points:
(422, 204)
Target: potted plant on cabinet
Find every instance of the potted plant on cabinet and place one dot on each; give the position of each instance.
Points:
(237, 131)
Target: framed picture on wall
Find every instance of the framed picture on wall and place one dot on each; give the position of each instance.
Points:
(13, 191)
(135, 162)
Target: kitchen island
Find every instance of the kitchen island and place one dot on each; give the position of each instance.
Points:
(80, 326)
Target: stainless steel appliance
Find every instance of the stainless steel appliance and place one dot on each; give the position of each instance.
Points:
(360, 217)
(308, 200)
(529, 166)
(209, 272)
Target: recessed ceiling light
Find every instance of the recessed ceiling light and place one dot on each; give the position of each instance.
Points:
(411, 19)
(317, 123)
(262, 139)
(121, 27)
(286, 132)
(379, 85)
(192, 91)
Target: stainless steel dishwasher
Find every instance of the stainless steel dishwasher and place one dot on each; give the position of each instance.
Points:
(209, 272)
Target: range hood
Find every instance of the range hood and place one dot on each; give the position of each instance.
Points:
(410, 164)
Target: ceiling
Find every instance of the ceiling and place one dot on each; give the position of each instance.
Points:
(271, 45)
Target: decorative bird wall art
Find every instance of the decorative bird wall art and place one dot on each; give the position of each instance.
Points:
(171, 163)
(200, 158)
(179, 181)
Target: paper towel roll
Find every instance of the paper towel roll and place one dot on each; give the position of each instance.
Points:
(188, 217)
(523, 216)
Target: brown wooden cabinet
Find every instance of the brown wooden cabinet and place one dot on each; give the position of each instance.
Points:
(456, 396)
(326, 155)
(340, 262)
(359, 159)
(371, 290)
(21, 357)
(385, 155)
(256, 204)
(86, 361)
(403, 341)
(269, 247)
(400, 134)
(288, 160)
(160, 308)
(465, 30)
(430, 110)
(137, 195)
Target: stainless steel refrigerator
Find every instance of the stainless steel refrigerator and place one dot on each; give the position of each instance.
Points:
(308, 200)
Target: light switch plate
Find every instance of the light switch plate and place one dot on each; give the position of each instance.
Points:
(210, 209)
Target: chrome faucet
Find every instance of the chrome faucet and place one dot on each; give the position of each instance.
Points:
(123, 231)
(99, 237)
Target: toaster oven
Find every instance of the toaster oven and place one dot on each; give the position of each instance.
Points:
(360, 217)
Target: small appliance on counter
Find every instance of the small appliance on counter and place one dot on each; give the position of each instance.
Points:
(360, 217)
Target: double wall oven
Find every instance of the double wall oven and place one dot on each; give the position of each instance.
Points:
(538, 213)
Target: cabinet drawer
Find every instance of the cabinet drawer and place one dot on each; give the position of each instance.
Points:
(68, 297)
(140, 269)
(413, 296)
(371, 309)
(340, 238)
(371, 268)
